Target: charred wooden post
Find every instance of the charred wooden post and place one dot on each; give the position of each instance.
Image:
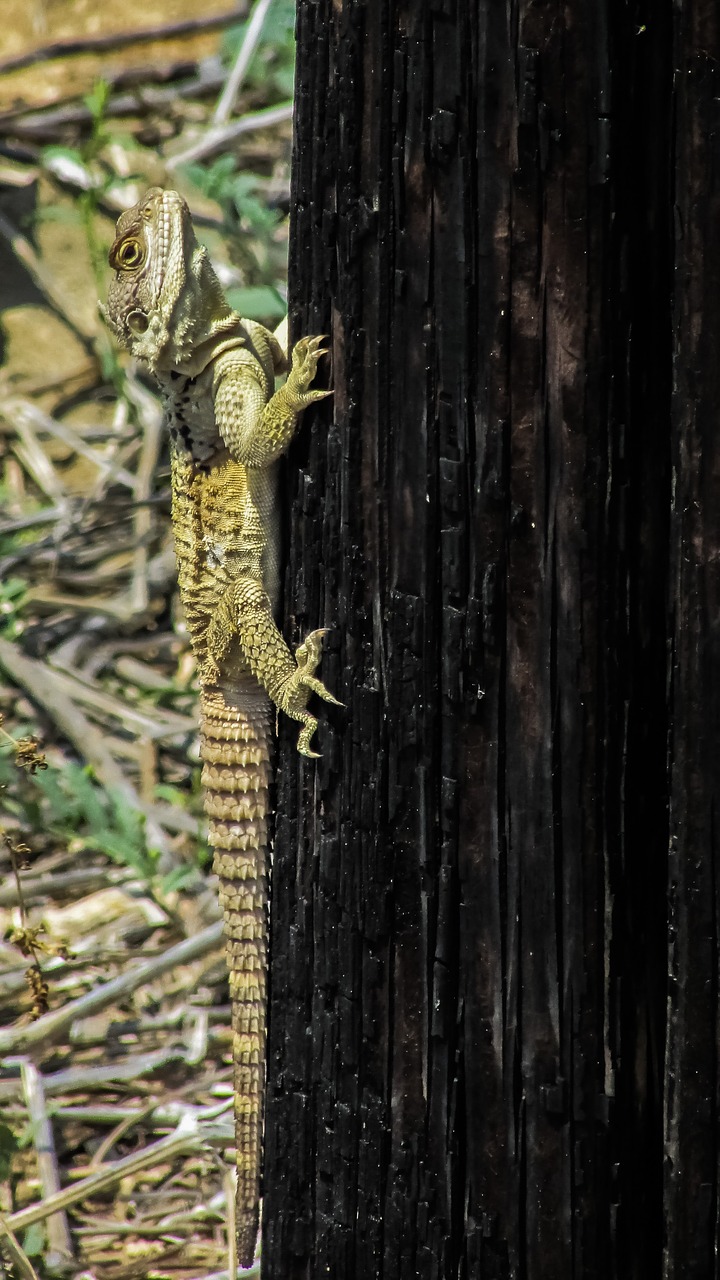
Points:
(468, 1008)
(692, 1205)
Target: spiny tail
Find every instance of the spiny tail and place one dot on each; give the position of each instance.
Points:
(234, 747)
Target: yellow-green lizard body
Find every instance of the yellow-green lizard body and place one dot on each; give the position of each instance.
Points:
(228, 427)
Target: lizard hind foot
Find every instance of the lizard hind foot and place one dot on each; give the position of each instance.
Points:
(303, 682)
(305, 737)
(307, 656)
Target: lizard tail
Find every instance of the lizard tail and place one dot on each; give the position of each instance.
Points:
(234, 747)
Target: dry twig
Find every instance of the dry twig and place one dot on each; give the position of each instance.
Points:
(120, 40)
(54, 1024)
(189, 1136)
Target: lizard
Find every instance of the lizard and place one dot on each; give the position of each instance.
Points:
(228, 427)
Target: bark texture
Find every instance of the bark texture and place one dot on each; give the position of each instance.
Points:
(692, 1065)
(493, 1038)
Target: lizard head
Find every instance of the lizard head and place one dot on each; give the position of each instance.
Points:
(165, 301)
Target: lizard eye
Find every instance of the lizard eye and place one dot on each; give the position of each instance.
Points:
(128, 255)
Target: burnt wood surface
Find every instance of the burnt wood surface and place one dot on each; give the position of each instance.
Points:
(493, 1034)
(693, 1031)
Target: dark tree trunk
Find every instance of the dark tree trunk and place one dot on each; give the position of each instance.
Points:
(468, 1068)
(692, 1068)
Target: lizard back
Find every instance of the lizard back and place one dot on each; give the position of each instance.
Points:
(228, 427)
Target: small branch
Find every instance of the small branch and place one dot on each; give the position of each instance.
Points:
(215, 139)
(160, 1116)
(119, 40)
(43, 685)
(44, 122)
(53, 1025)
(29, 672)
(47, 516)
(187, 1138)
(226, 102)
(27, 415)
(57, 883)
(34, 459)
(17, 981)
(126, 1070)
(249, 1274)
(10, 1250)
(58, 1231)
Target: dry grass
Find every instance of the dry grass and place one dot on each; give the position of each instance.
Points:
(116, 1134)
(120, 1092)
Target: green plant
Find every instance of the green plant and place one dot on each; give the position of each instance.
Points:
(71, 805)
(254, 228)
(88, 816)
(9, 1146)
(96, 179)
(271, 70)
(35, 1240)
(12, 597)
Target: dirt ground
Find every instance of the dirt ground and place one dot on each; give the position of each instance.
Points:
(104, 849)
(41, 353)
(33, 25)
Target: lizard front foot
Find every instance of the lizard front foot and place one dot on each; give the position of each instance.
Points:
(305, 356)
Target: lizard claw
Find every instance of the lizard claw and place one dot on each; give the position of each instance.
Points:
(317, 686)
(308, 656)
(310, 397)
(308, 653)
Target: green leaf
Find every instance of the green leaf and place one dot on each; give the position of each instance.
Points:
(214, 179)
(97, 99)
(53, 152)
(34, 1240)
(247, 193)
(178, 878)
(11, 592)
(59, 806)
(280, 22)
(231, 41)
(173, 795)
(86, 797)
(284, 79)
(144, 861)
(258, 302)
(272, 65)
(77, 807)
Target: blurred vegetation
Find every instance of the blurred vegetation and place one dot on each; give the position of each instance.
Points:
(100, 811)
